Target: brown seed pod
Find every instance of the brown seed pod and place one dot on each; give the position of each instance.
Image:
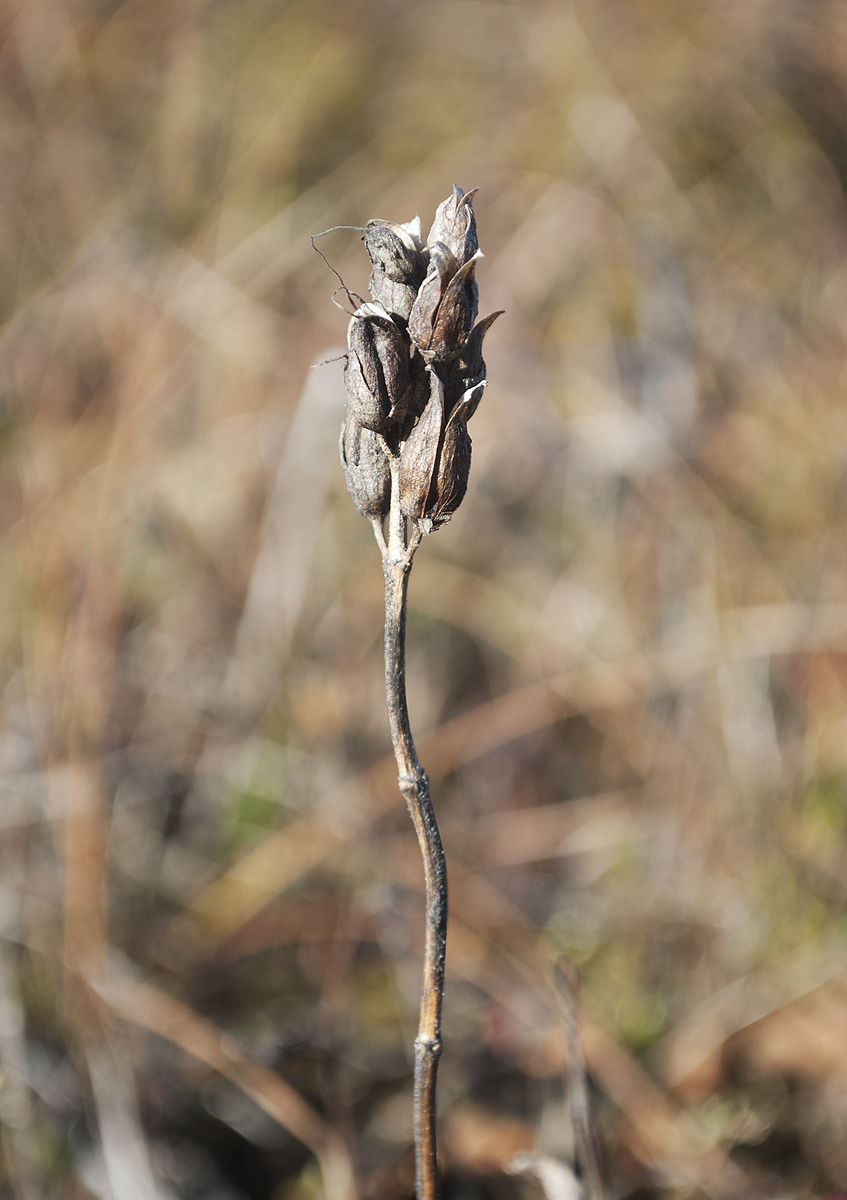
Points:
(419, 454)
(377, 373)
(436, 459)
(445, 309)
(456, 314)
(447, 490)
(366, 468)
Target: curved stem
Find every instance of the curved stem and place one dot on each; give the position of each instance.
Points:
(414, 786)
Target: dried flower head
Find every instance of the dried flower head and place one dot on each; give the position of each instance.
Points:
(415, 372)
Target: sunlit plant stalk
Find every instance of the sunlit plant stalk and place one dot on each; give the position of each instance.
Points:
(397, 554)
(414, 375)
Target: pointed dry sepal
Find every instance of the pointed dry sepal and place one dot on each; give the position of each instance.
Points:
(469, 368)
(455, 226)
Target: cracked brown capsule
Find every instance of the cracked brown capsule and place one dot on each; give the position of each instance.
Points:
(366, 468)
(377, 372)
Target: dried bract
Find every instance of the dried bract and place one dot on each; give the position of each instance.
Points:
(469, 368)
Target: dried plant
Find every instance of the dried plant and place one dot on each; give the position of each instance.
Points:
(414, 376)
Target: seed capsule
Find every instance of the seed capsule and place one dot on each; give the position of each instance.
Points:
(420, 452)
(454, 464)
(366, 468)
(445, 309)
(436, 459)
(377, 371)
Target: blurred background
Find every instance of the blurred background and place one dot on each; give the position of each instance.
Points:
(627, 652)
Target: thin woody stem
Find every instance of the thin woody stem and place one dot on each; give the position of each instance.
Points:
(414, 786)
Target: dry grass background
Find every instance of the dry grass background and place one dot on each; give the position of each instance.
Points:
(628, 652)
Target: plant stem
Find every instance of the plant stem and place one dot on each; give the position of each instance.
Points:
(414, 787)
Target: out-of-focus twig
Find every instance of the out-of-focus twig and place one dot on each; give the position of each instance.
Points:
(149, 1007)
(122, 1139)
(582, 1118)
(556, 1178)
(690, 1054)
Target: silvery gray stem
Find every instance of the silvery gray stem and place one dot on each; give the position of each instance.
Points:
(414, 376)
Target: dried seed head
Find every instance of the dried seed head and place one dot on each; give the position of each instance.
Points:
(377, 371)
(455, 226)
(415, 372)
(366, 468)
